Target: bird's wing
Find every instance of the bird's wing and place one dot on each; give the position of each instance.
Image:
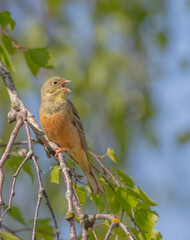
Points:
(77, 123)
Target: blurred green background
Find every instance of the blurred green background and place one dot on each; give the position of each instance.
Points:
(129, 66)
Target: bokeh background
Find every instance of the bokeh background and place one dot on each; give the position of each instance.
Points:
(130, 69)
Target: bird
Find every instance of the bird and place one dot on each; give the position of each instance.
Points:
(61, 123)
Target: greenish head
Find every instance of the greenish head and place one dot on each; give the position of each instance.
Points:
(54, 89)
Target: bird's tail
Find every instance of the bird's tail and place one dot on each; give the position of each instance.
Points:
(93, 181)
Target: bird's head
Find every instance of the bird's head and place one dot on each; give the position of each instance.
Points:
(55, 87)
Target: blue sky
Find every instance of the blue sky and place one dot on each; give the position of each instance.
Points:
(163, 171)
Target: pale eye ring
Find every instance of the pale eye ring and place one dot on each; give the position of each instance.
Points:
(54, 82)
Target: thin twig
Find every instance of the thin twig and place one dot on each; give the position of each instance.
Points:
(11, 231)
(40, 196)
(12, 138)
(69, 195)
(83, 218)
(19, 143)
(52, 214)
(109, 232)
(127, 231)
(122, 214)
(94, 234)
(16, 231)
(12, 194)
(112, 218)
(5, 156)
(105, 168)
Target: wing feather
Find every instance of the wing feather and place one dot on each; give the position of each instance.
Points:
(77, 123)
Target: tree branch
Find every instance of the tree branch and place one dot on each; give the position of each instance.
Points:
(83, 218)
(105, 168)
(109, 232)
(113, 218)
(12, 194)
(69, 195)
(4, 158)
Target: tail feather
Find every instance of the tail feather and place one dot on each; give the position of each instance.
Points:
(93, 181)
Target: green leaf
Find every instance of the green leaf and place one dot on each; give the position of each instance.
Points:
(8, 236)
(138, 234)
(100, 232)
(127, 199)
(39, 56)
(36, 58)
(28, 169)
(113, 203)
(125, 179)
(5, 19)
(14, 162)
(143, 196)
(44, 229)
(99, 201)
(16, 214)
(156, 235)
(34, 68)
(121, 234)
(111, 154)
(54, 175)
(145, 218)
(4, 55)
(81, 193)
(8, 43)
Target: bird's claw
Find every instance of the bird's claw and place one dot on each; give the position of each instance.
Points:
(58, 150)
(45, 142)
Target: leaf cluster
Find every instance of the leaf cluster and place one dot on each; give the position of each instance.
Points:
(36, 58)
(125, 198)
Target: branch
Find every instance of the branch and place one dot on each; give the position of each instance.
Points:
(4, 158)
(83, 218)
(105, 168)
(28, 156)
(69, 195)
(109, 232)
(114, 219)
(19, 143)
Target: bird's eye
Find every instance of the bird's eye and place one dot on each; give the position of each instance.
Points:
(54, 82)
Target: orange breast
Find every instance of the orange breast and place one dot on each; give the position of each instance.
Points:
(60, 129)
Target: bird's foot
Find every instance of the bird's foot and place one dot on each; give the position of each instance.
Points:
(45, 142)
(58, 150)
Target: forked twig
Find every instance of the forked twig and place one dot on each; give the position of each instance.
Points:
(109, 232)
(12, 194)
(104, 167)
(4, 158)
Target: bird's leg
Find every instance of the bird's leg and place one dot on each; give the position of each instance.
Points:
(45, 142)
(58, 150)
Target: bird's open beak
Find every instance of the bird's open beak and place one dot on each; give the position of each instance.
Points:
(64, 84)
